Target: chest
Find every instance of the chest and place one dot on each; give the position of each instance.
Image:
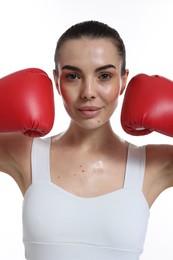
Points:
(87, 174)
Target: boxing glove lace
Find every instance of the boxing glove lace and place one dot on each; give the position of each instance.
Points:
(26, 103)
(148, 105)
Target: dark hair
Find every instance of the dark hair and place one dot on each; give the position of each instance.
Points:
(93, 30)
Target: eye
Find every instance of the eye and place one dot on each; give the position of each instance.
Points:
(105, 76)
(72, 76)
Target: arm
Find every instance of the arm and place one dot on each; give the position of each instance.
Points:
(15, 158)
(147, 107)
(26, 111)
(159, 170)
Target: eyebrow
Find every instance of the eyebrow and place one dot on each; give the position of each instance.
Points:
(69, 67)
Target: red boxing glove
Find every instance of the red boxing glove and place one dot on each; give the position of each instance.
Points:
(26, 103)
(148, 105)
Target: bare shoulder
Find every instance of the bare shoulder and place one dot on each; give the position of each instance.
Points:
(14, 153)
(159, 170)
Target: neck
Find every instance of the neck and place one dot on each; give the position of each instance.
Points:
(91, 138)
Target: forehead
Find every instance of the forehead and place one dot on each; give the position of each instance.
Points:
(89, 50)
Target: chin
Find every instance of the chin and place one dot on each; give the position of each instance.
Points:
(92, 125)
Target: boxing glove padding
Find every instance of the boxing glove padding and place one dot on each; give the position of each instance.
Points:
(26, 103)
(148, 105)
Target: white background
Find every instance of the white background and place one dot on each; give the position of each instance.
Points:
(29, 30)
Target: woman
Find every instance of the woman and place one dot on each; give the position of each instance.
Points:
(87, 192)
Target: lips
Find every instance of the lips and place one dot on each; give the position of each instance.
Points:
(89, 111)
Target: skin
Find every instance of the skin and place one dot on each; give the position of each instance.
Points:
(89, 79)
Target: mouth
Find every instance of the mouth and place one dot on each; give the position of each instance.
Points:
(89, 111)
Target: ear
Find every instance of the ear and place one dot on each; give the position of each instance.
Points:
(55, 76)
(124, 81)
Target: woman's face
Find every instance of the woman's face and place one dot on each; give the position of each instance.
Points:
(89, 80)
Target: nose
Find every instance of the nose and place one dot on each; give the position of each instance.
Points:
(88, 90)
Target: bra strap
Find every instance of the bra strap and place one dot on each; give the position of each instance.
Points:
(40, 157)
(135, 167)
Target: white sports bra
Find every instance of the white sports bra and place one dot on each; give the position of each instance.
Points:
(58, 225)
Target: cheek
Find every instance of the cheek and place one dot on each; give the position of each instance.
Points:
(66, 94)
(67, 100)
(111, 94)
